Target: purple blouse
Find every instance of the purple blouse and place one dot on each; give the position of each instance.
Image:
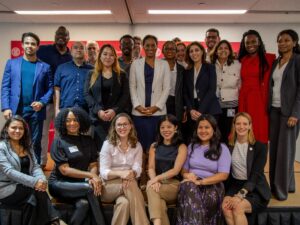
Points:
(203, 167)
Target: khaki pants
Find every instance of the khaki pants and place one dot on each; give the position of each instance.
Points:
(128, 202)
(157, 201)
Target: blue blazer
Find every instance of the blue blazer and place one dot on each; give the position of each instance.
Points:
(206, 90)
(11, 86)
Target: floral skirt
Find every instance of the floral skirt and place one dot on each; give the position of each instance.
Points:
(200, 205)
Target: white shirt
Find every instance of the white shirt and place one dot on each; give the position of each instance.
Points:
(228, 82)
(173, 80)
(196, 74)
(113, 158)
(277, 78)
(239, 161)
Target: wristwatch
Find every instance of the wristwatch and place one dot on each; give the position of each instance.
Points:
(242, 193)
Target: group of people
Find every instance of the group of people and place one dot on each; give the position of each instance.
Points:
(142, 113)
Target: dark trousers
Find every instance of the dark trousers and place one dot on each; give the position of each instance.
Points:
(83, 196)
(35, 205)
(282, 154)
(225, 123)
(36, 130)
(100, 133)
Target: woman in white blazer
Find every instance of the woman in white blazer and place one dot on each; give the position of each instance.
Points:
(149, 84)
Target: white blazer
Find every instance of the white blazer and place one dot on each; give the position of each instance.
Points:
(160, 85)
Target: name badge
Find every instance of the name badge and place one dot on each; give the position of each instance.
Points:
(230, 112)
(73, 149)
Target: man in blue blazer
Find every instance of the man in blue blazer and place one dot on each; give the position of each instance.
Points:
(27, 87)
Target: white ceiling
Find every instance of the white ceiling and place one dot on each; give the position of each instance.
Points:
(135, 11)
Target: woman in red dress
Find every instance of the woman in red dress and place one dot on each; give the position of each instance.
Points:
(255, 72)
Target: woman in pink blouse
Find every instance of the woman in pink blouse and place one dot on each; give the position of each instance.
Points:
(120, 165)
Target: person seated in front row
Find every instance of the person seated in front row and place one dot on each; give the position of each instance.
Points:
(22, 182)
(75, 176)
(247, 189)
(206, 167)
(166, 158)
(120, 166)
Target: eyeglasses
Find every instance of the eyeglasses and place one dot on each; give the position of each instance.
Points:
(122, 125)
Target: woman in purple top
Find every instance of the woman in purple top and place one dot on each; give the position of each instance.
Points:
(207, 165)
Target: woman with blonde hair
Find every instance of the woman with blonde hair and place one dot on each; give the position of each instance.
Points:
(106, 92)
(120, 166)
(247, 190)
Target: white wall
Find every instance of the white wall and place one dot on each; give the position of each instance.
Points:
(188, 32)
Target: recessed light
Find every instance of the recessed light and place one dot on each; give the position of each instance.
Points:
(69, 12)
(195, 12)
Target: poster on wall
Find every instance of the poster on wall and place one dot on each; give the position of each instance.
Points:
(17, 50)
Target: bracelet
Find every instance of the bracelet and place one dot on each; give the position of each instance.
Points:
(239, 196)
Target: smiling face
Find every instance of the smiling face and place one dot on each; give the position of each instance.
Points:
(242, 126)
(62, 37)
(30, 46)
(150, 47)
(285, 44)
(205, 132)
(72, 124)
(107, 57)
(126, 46)
(123, 127)
(92, 50)
(251, 44)
(195, 54)
(15, 130)
(169, 51)
(78, 51)
(167, 131)
(180, 54)
(211, 39)
(223, 51)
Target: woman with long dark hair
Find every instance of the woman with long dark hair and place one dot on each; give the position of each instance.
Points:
(199, 86)
(284, 105)
(166, 158)
(75, 177)
(206, 167)
(255, 73)
(106, 92)
(228, 84)
(22, 182)
(247, 190)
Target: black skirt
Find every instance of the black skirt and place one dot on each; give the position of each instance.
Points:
(233, 186)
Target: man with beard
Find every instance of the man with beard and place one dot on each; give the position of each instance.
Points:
(92, 51)
(126, 46)
(212, 38)
(69, 80)
(27, 87)
(54, 54)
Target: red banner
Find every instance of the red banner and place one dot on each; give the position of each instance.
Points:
(17, 50)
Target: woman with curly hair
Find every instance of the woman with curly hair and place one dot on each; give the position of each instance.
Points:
(120, 166)
(106, 92)
(22, 182)
(206, 167)
(75, 176)
(255, 73)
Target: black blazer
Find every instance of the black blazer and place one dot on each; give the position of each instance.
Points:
(256, 160)
(206, 90)
(119, 96)
(290, 87)
(179, 92)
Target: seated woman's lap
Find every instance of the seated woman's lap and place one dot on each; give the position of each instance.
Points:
(69, 190)
(19, 197)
